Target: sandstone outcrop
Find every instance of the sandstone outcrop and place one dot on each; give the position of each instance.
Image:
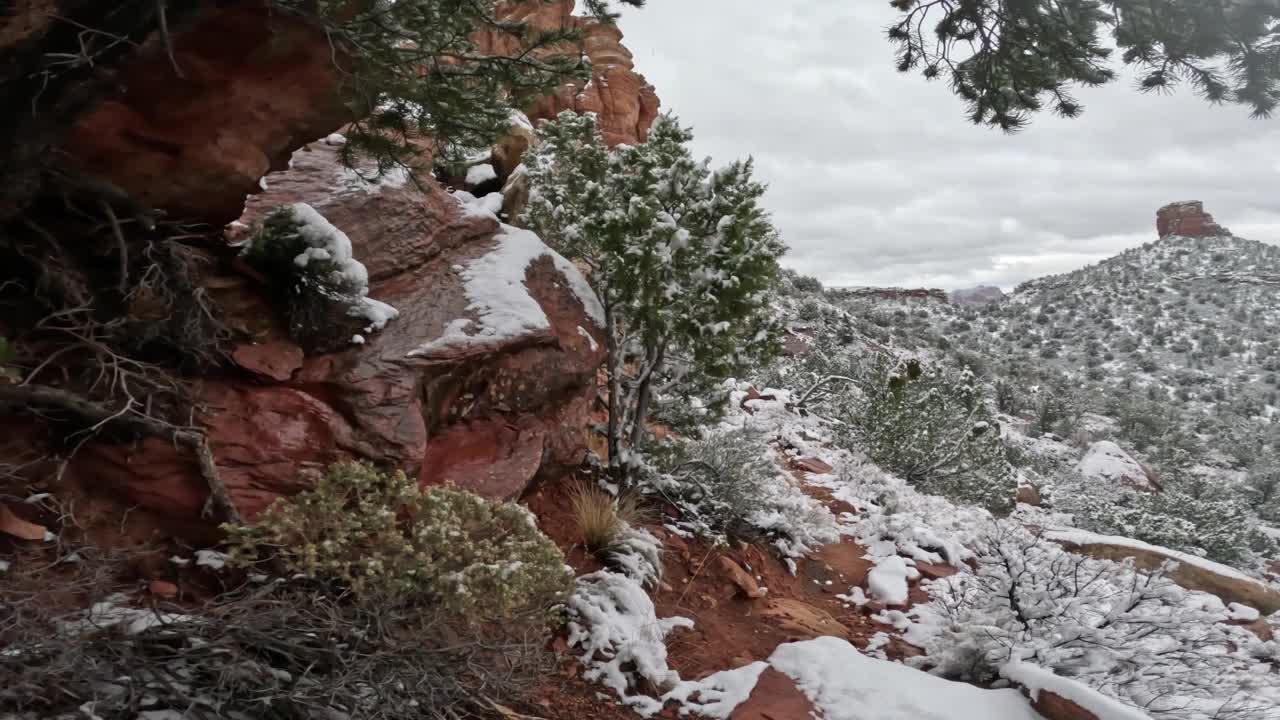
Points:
(1192, 573)
(486, 416)
(774, 697)
(1187, 219)
(1106, 463)
(255, 87)
(624, 102)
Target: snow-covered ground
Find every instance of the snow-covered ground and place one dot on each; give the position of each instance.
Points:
(1120, 678)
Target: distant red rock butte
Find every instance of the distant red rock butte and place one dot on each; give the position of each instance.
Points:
(1187, 219)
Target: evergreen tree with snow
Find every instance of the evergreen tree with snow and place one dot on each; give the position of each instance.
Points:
(415, 69)
(683, 257)
(933, 429)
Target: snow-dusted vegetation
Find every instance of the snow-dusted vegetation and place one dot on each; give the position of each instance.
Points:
(1028, 603)
(607, 458)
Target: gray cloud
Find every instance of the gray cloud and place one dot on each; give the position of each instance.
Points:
(877, 178)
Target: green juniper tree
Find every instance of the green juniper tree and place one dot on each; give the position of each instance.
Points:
(933, 429)
(683, 257)
(1008, 59)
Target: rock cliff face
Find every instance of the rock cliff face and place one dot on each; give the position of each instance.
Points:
(624, 102)
(1187, 219)
(486, 414)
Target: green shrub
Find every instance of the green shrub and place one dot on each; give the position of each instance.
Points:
(718, 482)
(931, 428)
(382, 535)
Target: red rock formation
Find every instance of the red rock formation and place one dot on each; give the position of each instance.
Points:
(254, 89)
(1187, 219)
(775, 697)
(1053, 706)
(487, 418)
(624, 102)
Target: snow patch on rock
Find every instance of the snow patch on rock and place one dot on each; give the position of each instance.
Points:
(495, 287)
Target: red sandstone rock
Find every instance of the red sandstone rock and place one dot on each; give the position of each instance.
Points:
(811, 465)
(1187, 219)
(277, 359)
(1029, 495)
(775, 697)
(734, 573)
(162, 588)
(1055, 707)
(485, 417)
(754, 394)
(626, 105)
(802, 620)
(257, 85)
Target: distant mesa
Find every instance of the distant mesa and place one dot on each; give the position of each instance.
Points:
(979, 295)
(1187, 219)
(895, 294)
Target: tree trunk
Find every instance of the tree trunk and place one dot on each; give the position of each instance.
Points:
(652, 364)
(614, 372)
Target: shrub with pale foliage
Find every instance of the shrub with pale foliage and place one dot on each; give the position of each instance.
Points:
(381, 534)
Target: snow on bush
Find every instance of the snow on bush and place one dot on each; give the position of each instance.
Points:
(898, 519)
(930, 426)
(614, 624)
(383, 536)
(728, 484)
(887, 581)
(1137, 637)
(638, 554)
(312, 265)
(719, 694)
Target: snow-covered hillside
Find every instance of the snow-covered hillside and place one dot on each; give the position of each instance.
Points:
(1169, 351)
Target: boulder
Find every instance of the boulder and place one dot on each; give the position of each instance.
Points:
(1052, 706)
(485, 414)
(734, 573)
(1107, 463)
(775, 697)
(813, 465)
(1187, 219)
(802, 620)
(1029, 495)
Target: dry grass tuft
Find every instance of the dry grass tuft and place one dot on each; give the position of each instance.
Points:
(601, 519)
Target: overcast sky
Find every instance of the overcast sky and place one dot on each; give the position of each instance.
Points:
(876, 178)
